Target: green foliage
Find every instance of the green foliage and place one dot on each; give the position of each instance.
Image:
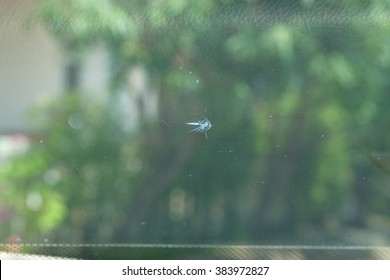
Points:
(79, 160)
(83, 22)
(37, 205)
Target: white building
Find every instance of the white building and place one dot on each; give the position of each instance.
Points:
(32, 66)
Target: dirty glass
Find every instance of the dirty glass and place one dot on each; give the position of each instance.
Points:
(194, 123)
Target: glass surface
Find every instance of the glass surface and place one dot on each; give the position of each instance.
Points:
(195, 122)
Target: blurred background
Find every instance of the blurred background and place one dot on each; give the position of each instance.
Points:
(95, 94)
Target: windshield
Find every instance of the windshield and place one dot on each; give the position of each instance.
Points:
(195, 122)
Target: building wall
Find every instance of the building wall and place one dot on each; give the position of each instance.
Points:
(32, 66)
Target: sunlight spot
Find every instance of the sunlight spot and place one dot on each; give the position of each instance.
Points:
(34, 201)
(52, 177)
(75, 121)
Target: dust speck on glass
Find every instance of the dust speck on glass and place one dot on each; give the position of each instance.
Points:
(110, 148)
